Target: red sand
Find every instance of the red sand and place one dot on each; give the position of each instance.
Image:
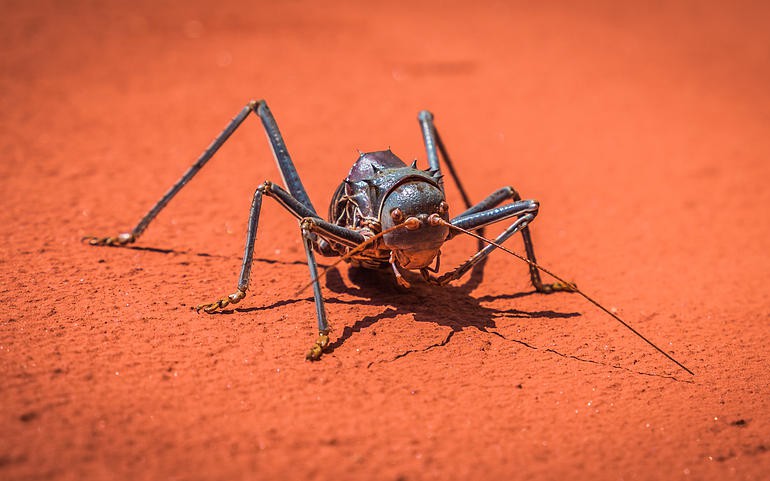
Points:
(643, 130)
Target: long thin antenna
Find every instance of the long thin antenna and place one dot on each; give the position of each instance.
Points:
(573, 287)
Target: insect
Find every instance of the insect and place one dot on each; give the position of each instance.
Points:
(385, 214)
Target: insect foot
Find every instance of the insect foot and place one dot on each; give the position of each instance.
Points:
(233, 298)
(118, 240)
(320, 344)
(557, 287)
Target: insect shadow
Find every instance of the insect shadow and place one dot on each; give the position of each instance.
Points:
(263, 260)
(451, 306)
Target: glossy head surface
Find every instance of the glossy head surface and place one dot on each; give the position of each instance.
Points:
(419, 241)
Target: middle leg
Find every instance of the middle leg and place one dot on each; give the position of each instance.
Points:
(313, 230)
(339, 235)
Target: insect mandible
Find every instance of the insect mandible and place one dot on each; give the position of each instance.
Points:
(385, 214)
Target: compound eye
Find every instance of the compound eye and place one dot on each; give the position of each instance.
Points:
(443, 207)
(397, 215)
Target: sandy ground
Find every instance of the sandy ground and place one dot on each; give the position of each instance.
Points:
(643, 130)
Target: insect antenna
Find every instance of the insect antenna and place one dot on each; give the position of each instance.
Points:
(360, 247)
(572, 287)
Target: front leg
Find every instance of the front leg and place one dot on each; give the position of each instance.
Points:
(314, 228)
(476, 218)
(323, 325)
(487, 212)
(524, 219)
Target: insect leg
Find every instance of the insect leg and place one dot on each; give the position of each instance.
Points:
(130, 237)
(323, 326)
(524, 210)
(329, 231)
(486, 213)
(477, 220)
(482, 254)
(339, 234)
(288, 172)
(314, 229)
(285, 165)
(434, 145)
(244, 277)
(336, 233)
(492, 201)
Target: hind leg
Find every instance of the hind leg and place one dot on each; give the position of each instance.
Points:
(285, 165)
